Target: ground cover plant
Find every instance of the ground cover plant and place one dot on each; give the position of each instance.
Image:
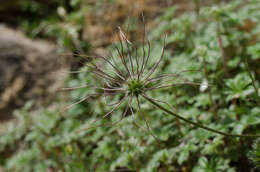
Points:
(217, 47)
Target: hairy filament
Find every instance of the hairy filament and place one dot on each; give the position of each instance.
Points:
(155, 66)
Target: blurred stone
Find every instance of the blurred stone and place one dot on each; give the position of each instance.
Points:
(29, 70)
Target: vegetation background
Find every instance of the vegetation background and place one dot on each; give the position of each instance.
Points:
(218, 39)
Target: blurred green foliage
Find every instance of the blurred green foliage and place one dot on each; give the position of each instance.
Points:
(57, 141)
(61, 20)
(254, 154)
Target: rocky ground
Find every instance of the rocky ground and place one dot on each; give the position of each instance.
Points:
(29, 70)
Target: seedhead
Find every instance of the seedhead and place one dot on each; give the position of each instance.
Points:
(128, 74)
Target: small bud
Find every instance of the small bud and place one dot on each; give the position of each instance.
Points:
(69, 149)
(61, 11)
(201, 51)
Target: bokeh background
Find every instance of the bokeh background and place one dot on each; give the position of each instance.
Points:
(41, 42)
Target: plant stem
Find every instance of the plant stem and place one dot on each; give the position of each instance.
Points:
(197, 6)
(253, 80)
(195, 123)
(209, 90)
(223, 55)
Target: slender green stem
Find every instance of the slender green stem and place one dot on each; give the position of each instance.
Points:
(209, 90)
(194, 123)
(223, 55)
(253, 80)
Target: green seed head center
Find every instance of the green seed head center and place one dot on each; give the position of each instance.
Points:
(135, 87)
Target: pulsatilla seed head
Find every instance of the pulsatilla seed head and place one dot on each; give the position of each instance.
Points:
(129, 75)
